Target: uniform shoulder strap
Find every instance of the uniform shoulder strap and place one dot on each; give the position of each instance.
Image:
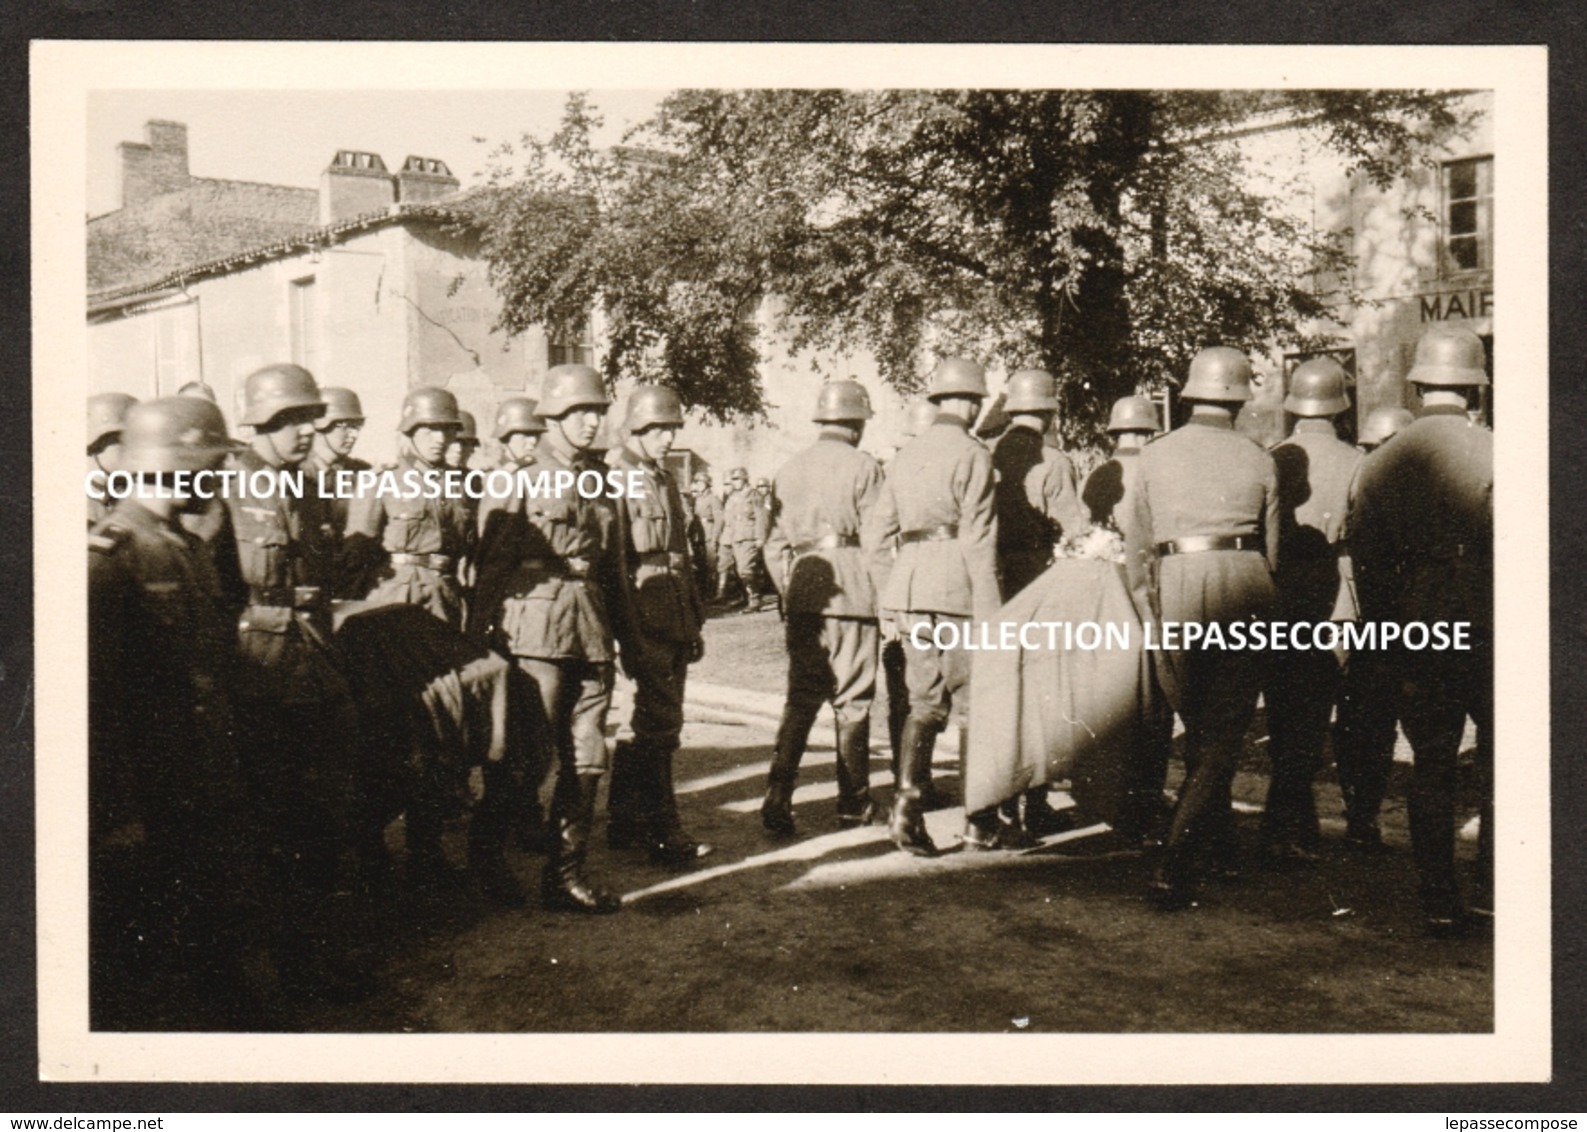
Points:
(107, 537)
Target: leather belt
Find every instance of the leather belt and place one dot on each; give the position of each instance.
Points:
(1195, 544)
(439, 562)
(825, 542)
(942, 532)
(671, 559)
(288, 597)
(574, 569)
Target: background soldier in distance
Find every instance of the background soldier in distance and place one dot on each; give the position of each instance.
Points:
(1421, 537)
(744, 530)
(657, 615)
(937, 506)
(820, 503)
(1314, 469)
(1201, 541)
(708, 515)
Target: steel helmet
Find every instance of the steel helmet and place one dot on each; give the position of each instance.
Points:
(1219, 373)
(1133, 414)
(738, 475)
(106, 411)
(1449, 355)
(653, 405)
(1384, 423)
(340, 405)
(173, 434)
(569, 386)
(1031, 391)
(1317, 389)
(842, 402)
(517, 414)
(277, 388)
(198, 389)
(956, 377)
(470, 429)
(428, 405)
(919, 417)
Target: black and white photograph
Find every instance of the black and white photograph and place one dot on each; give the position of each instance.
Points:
(791, 563)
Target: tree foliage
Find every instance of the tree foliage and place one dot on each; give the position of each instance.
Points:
(1102, 235)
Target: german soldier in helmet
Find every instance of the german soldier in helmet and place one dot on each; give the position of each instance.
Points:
(335, 435)
(744, 530)
(1421, 538)
(1038, 504)
(552, 572)
(106, 411)
(820, 503)
(293, 702)
(1201, 542)
(657, 615)
(1314, 469)
(937, 507)
(173, 839)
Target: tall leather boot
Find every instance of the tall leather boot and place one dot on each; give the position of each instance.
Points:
(563, 885)
(1041, 819)
(793, 735)
(855, 806)
(906, 825)
(625, 797)
(668, 842)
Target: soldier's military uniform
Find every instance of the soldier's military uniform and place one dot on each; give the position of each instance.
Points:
(1315, 469)
(1201, 540)
(1038, 503)
(173, 840)
(543, 598)
(105, 414)
(937, 507)
(345, 582)
(1107, 496)
(820, 501)
(412, 549)
(657, 616)
(744, 530)
(1421, 537)
(708, 513)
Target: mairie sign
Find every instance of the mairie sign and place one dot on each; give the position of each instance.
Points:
(1457, 304)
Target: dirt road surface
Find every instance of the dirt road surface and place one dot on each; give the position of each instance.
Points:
(836, 931)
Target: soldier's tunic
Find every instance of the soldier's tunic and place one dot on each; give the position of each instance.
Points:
(411, 550)
(548, 567)
(937, 507)
(297, 725)
(744, 530)
(657, 613)
(820, 500)
(172, 837)
(1204, 481)
(1421, 537)
(1037, 504)
(317, 469)
(1315, 469)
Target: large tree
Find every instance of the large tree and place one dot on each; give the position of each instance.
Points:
(1102, 235)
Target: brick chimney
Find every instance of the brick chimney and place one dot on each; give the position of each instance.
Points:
(353, 184)
(155, 166)
(425, 178)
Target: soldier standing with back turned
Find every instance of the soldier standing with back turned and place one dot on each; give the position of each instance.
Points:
(1314, 468)
(820, 502)
(1201, 541)
(937, 506)
(1421, 536)
(657, 615)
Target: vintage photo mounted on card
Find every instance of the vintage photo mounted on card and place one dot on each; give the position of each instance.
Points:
(500, 457)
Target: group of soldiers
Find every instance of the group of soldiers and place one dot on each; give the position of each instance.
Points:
(225, 713)
(1215, 530)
